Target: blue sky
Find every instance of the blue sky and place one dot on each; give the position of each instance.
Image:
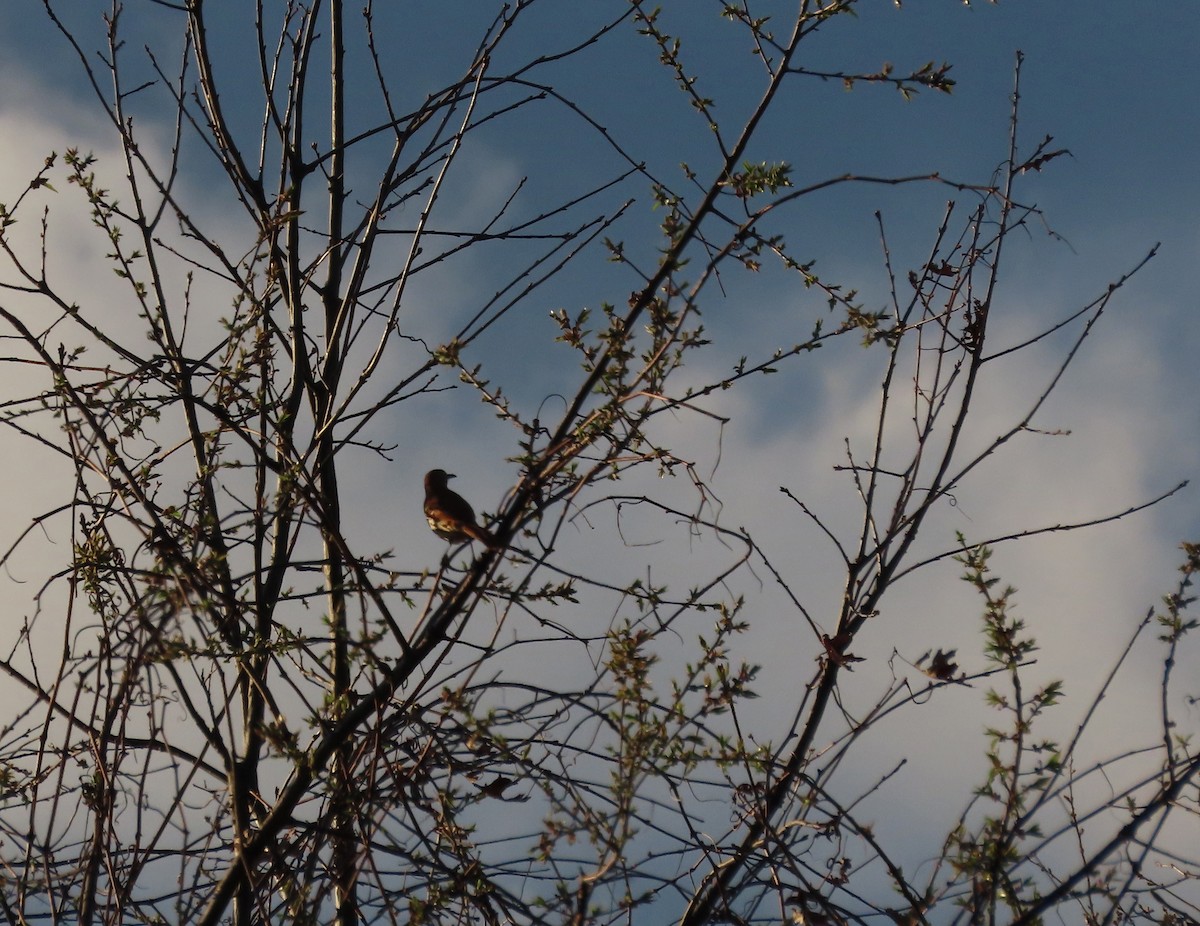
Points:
(1114, 83)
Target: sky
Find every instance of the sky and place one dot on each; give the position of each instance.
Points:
(1115, 84)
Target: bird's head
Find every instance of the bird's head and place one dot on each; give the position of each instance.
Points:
(437, 478)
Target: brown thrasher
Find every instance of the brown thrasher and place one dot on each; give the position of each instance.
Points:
(450, 516)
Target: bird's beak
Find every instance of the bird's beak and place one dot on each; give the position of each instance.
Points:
(451, 476)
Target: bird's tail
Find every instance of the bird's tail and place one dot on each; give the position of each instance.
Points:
(483, 535)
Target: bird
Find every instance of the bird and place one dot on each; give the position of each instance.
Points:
(451, 516)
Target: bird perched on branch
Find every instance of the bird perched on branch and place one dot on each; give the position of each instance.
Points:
(450, 516)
